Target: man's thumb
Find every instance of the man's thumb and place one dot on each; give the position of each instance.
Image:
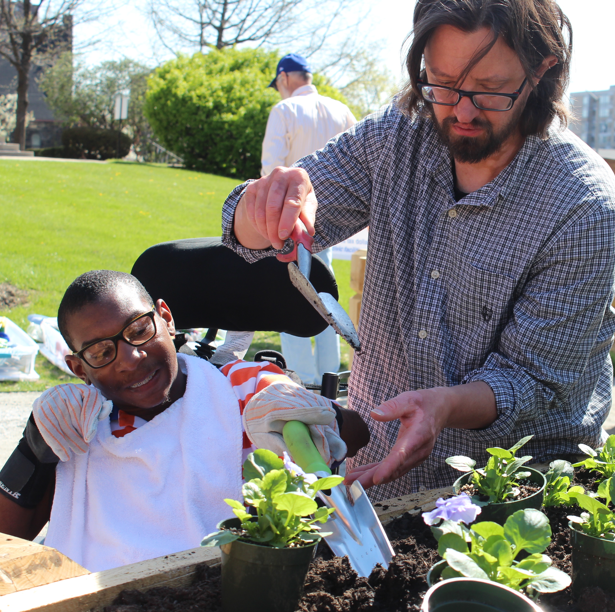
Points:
(390, 410)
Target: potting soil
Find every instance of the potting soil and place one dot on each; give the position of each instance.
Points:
(333, 586)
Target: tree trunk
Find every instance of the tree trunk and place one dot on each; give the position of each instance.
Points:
(19, 135)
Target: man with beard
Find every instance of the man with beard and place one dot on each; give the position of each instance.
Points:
(486, 307)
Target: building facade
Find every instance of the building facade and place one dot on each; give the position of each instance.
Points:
(594, 117)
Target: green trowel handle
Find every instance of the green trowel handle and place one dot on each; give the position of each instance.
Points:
(302, 449)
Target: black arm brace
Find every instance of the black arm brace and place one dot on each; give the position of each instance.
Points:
(29, 470)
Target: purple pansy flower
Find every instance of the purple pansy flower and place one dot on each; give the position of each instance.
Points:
(458, 509)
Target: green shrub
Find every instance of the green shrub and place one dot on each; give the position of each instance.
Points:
(92, 143)
(212, 109)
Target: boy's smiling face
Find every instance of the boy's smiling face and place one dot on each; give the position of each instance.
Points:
(142, 380)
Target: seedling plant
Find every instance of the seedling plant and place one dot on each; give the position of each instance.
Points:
(558, 490)
(282, 496)
(498, 480)
(601, 461)
(598, 520)
(489, 551)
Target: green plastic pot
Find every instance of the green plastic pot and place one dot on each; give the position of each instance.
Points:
(471, 595)
(498, 513)
(262, 578)
(434, 573)
(593, 562)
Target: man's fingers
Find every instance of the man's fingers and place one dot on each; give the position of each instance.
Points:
(363, 474)
(396, 408)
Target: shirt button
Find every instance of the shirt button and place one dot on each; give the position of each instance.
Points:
(435, 274)
(422, 334)
(452, 213)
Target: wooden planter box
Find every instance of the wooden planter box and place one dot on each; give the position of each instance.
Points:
(39, 578)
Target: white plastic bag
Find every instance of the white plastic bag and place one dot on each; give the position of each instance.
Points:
(45, 330)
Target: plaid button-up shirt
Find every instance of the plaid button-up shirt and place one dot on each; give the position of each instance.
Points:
(511, 285)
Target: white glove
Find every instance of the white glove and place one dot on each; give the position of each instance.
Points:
(67, 417)
(269, 410)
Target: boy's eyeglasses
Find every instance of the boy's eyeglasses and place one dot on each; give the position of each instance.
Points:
(102, 352)
(448, 96)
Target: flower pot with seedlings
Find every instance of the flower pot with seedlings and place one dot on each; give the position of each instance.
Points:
(593, 539)
(499, 486)
(601, 461)
(489, 551)
(471, 595)
(265, 555)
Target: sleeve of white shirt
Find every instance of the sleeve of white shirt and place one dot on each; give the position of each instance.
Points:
(275, 143)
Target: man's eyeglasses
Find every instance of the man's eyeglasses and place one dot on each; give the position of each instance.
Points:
(102, 352)
(499, 102)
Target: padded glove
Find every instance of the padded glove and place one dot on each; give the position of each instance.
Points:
(67, 417)
(268, 411)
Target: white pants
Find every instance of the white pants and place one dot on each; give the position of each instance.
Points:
(310, 366)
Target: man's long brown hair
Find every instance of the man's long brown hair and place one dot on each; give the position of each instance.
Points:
(533, 29)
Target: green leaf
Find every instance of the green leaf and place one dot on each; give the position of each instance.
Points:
(529, 530)
(296, 504)
(587, 450)
(326, 483)
(560, 467)
(450, 527)
(452, 540)
(518, 445)
(487, 529)
(274, 483)
(464, 564)
(233, 503)
(449, 572)
(550, 581)
(259, 463)
(500, 452)
(219, 538)
(461, 463)
(252, 493)
(536, 563)
(499, 548)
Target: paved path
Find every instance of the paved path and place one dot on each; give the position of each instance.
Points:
(15, 409)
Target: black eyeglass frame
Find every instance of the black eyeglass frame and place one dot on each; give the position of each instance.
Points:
(120, 336)
(470, 94)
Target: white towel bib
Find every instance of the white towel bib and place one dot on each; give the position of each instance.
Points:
(157, 490)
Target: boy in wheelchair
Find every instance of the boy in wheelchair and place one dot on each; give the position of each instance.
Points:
(136, 463)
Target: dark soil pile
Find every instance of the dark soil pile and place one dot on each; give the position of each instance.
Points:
(333, 586)
(11, 296)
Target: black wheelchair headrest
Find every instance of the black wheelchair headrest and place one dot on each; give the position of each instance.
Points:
(206, 284)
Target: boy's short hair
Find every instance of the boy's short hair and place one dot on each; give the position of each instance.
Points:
(91, 287)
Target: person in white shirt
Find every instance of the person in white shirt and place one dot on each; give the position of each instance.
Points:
(303, 122)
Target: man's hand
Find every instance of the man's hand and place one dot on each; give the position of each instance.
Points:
(268, 211)
(423, 415)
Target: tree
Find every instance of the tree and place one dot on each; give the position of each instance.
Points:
(212, 109)
(82, 96)
(33, 34)
(313, 28)
(8, 105)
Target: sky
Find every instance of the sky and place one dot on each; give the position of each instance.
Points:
(593, 66)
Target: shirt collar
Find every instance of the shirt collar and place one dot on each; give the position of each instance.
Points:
(304, 90)
(437, 161)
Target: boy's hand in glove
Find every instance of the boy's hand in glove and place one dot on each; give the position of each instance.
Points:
(270, 409)
(67, 417)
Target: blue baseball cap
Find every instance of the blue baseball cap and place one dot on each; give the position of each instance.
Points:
(291, 63)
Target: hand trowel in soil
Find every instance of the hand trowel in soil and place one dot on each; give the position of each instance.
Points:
(356, 529)
(324, 303)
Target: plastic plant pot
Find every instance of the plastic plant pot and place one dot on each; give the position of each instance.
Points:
(435, 571)
(261, 578)
(593, 562)
(471, 595)
(498, 513)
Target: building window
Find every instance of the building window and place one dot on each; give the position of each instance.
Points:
(605, 111)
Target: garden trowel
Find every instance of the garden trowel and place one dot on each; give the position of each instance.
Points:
(324, 303)
(356, 530)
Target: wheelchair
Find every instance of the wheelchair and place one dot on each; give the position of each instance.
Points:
(207, 285)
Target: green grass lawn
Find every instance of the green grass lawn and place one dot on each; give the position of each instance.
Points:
(60, 219)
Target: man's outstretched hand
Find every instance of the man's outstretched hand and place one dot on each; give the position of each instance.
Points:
(422, 415)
